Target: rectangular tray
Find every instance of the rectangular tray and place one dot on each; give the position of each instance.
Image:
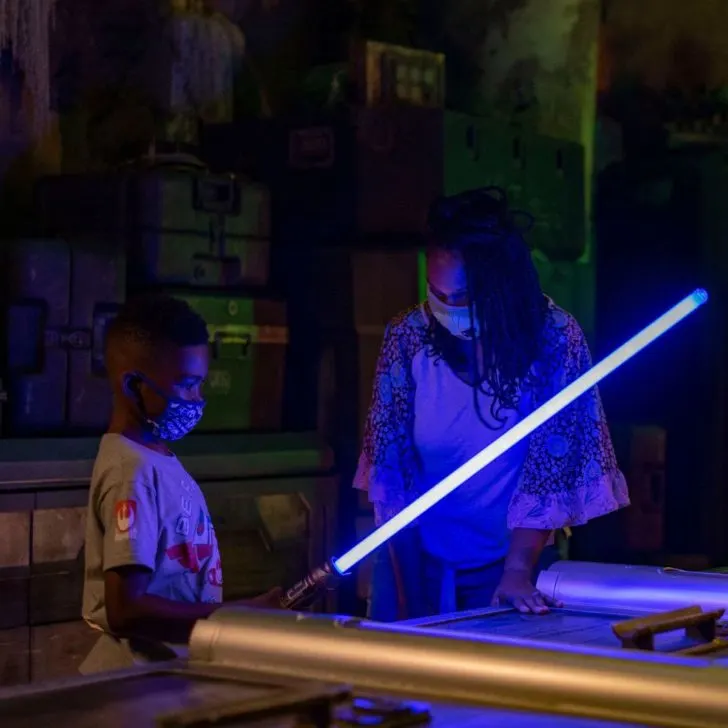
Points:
(559, 626)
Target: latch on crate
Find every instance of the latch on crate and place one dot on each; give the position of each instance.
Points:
(237, 341)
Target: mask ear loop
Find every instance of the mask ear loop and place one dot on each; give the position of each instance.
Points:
(131, 389)
(131, 385)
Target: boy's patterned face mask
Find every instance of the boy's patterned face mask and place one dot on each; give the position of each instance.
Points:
(179, 418)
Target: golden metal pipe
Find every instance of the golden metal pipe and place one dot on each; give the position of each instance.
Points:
(674, 692)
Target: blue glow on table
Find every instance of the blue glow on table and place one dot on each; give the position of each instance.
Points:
(518, 432)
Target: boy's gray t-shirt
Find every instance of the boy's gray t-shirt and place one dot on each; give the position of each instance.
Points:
(145, 510)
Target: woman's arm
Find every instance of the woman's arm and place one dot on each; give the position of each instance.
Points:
(516, 586)
(525, 550)
(385, 468)
(386, 463)
(571, 474)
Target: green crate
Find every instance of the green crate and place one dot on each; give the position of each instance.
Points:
(541, 175)
(248, 340)
(478, 153)
(554, 195)
(571, 285)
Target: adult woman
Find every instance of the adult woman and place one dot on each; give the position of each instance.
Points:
(455, 373)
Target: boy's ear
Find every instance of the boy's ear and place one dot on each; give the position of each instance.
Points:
(131, 384)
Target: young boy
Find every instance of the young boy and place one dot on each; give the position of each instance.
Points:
(152, 559)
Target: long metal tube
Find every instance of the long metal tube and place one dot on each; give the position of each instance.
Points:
(446, 668)
(643, 588)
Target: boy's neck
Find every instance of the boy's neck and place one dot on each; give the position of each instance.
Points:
(133, 431)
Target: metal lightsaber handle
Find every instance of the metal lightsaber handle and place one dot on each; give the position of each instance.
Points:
(311, 586)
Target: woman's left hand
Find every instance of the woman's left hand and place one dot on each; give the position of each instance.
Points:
(517, 590)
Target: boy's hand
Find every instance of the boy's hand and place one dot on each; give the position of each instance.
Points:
(270, 600)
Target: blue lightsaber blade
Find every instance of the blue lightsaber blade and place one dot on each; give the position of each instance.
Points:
(344, 563)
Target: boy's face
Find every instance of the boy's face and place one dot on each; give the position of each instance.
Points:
(178, 372)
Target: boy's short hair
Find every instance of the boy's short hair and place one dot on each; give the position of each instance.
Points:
(155, 319)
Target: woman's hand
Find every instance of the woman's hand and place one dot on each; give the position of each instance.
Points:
(517, 590)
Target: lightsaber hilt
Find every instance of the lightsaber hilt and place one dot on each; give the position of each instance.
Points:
(311, 586)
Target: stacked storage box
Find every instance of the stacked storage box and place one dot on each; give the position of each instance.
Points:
(364, 290)
(59, 297)
(373, 172)
(181, 225)
(542, 176)
(204, 238)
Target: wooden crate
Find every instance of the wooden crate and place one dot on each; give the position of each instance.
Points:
(15, 539)
(14, 656)
(15, 548)
(369, 287)
(56, 584)
(14, 597)
(272, 532)
(364, 287)
(56, 592)
(386, 74)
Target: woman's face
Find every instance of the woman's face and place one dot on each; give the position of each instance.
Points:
(446, 277)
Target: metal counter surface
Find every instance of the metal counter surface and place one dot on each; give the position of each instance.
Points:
(53, 464)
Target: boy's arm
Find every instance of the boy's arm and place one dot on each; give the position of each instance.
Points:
(139, 614)
(127, 509)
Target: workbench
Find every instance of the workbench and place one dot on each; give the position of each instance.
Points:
(631, 646)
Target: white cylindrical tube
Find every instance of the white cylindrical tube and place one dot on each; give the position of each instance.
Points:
(645, 589)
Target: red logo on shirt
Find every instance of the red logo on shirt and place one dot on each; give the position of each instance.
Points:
(201, 521)
(214, 576)
(189, 555)
(126, 514)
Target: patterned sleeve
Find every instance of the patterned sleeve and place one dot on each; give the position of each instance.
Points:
(385, 466)
(570, 475)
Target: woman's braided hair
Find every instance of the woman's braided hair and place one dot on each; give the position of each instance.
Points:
(504, 295)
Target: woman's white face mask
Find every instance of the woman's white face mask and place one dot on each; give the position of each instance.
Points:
(456, 319)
